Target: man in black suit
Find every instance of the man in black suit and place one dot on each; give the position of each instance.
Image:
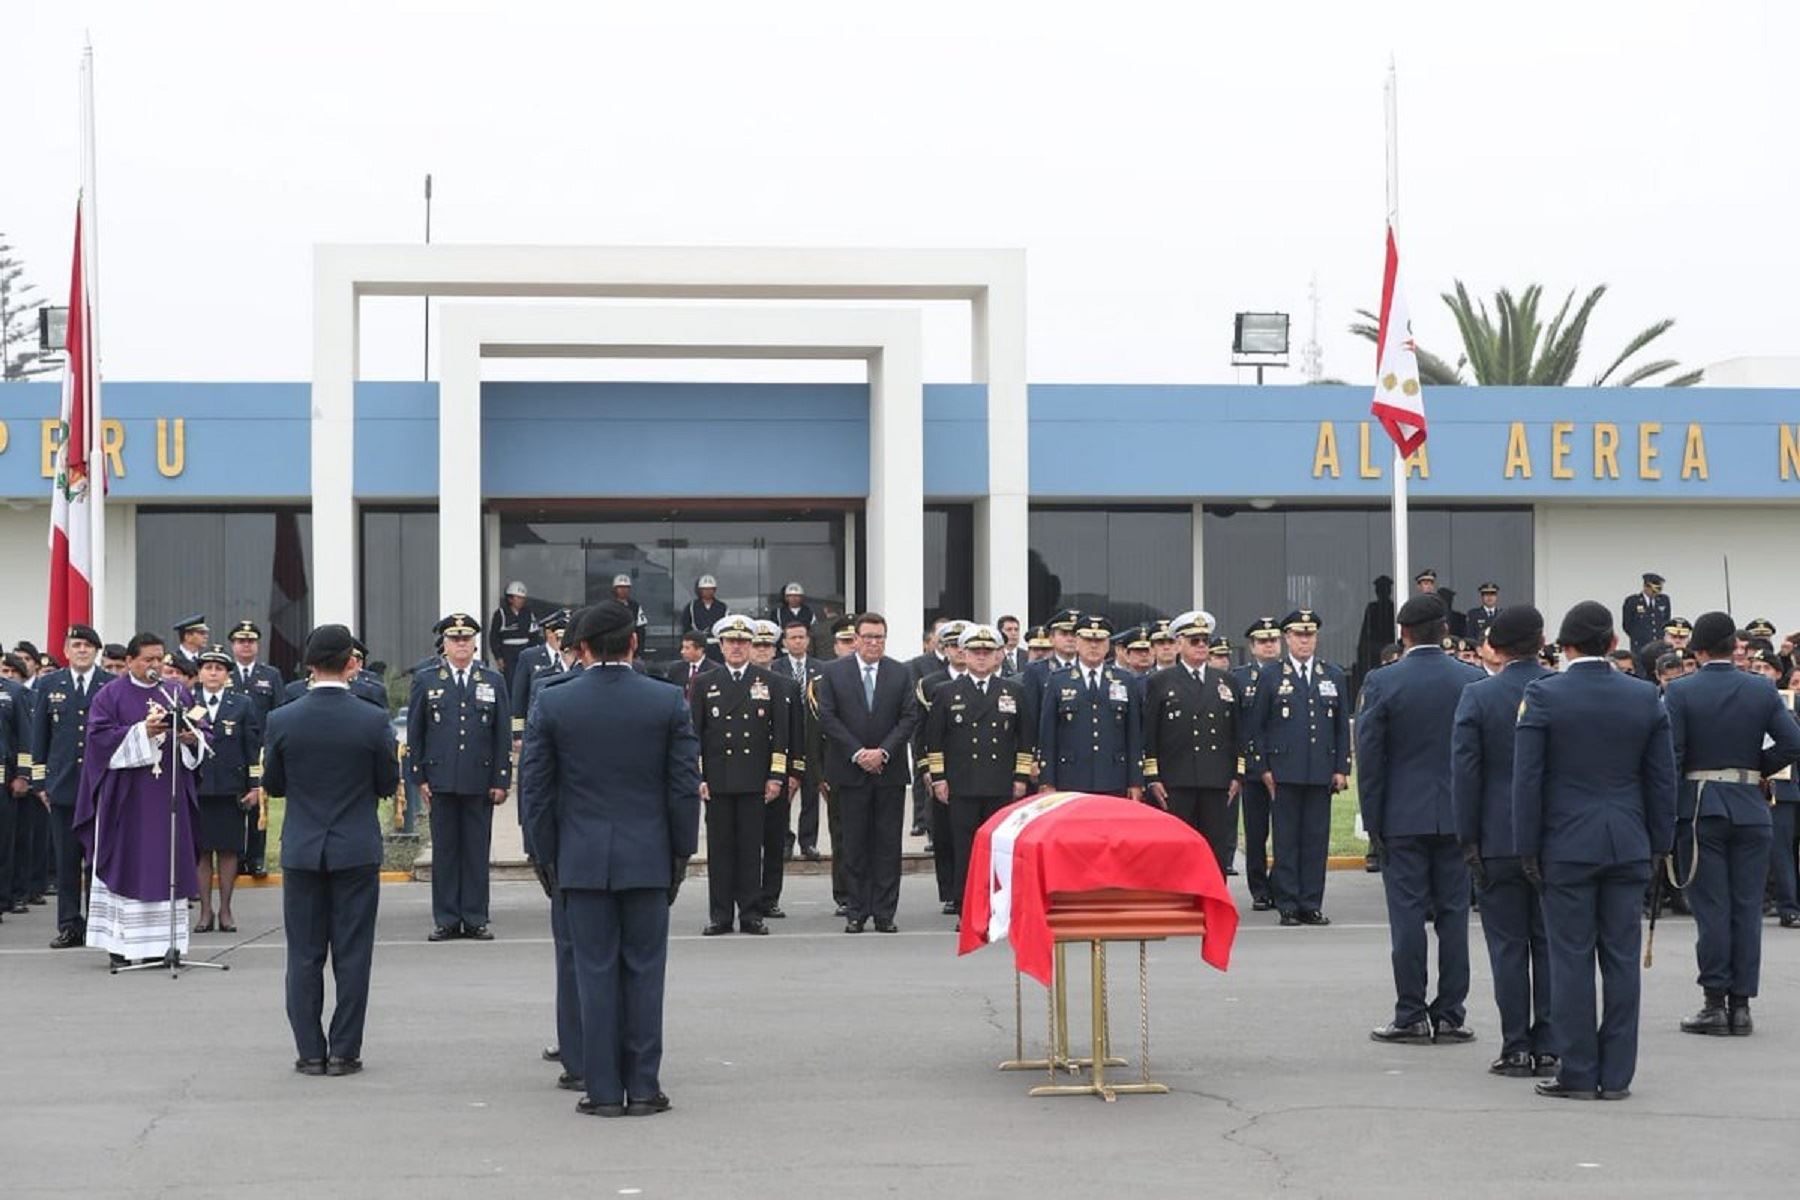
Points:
(610, 776)
(804, 739)
(694, 661)
(867, 711)
(332, 757)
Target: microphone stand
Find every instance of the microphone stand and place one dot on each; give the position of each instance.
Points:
(172, 958)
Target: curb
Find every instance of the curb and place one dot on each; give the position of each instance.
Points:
(273, 879)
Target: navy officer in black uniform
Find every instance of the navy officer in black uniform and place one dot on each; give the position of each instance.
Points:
(742, 725)
(1405, 716)
(1264, 636)
(1722, 719)
(1593, 814)
(1512, 915)
(1644, 614)
(610, 780)
(1192, 742)
(332, 757)
(459, 752)
(1299, 726)
(58, 741)
(1090, 728)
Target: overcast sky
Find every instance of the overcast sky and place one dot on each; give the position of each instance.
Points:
(1163, 165)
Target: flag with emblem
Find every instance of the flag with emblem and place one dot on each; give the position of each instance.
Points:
(1399, 400)
(72, 488)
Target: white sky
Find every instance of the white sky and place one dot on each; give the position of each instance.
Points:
(1164, 165)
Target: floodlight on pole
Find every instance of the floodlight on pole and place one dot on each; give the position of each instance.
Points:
(53, 329)
(1260, 340)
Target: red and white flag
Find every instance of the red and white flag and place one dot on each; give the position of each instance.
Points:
(77, 474)
(1399, 400)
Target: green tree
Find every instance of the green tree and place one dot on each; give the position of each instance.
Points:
(1512, 345)
(19, 355)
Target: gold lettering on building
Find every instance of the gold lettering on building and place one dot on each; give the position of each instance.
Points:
(5, 437)
(1790, 452)
(1518, 452)
(1418, 463)
(171, 452)
(112, 444)
(1606, 450)
(1559, 449)
(1647, 468)
(1325, 452)
(52, 438)
(1365, 469)
(1693, 453)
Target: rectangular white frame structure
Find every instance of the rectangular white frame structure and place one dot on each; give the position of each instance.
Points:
(992, 281)
(888, 340)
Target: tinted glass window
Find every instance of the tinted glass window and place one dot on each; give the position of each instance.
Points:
(1133, 564)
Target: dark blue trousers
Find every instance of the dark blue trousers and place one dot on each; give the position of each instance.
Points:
(1593, 914)
(621, 944)
(1512, 921)
(1302, 825)
(1426, 880)
(68, 868)
(329, 913)
(9, 821)
(31, 848)
(1726, 898)
(568, 1001)
(1256, 838)
(462, 837)
(1783, 878)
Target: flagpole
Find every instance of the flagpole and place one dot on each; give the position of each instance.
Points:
(91, 341)
(1402, 567)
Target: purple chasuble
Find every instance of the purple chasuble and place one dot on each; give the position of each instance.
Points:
(122, 815)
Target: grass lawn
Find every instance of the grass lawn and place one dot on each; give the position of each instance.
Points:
(396, 855)
(1343, 824)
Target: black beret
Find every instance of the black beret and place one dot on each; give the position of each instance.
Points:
(1588, 621)
(184, 663)
(327, 642)
(1421, 610)
(1712, 629)
(1514, 624)
(84, 633)
(599, 620)
(112, 650)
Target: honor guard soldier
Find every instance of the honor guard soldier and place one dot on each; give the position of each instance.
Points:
(1730, 729)
(700, 614)
(1475, 625)
(978, 746)
(1644, 614)
(743, 733)
(58, 740)
(259, 681)
(458, 752)
(534, 662)
(1591, 815)
(948, 639)
(511, 630)
(1784, 814)
(1300, 727)
(778, 814)
(1090, 728)
(1405, 718)
(1481, 792)
(1192, 744)
(621, 589)
(794, 610)
(1264, 637)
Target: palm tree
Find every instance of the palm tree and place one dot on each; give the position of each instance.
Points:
(1512, 346)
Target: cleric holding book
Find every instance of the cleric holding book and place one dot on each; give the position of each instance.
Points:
(122, 812)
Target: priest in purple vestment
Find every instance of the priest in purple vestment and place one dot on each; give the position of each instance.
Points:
(129, 773)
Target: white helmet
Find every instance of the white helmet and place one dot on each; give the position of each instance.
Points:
(707, 581)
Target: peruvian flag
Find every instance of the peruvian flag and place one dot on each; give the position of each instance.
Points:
(77, 471)
(1399, 401)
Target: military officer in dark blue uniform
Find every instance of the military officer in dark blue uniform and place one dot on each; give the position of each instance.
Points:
(1090, 726)
(259, 681)
(333, 759)
(609, 775)
(1192, 743)
(15, 771)
(1644, 614)
(938, 824)
(58, 741)
(546, 658)
(1300, 727)
(190, 638)
(1512, 915)
(458, 751)
(1722, 719)
(1592, 814)
(1482, 615)
(1264, 637)
(228, 783)
(366, 684)
(742, 724)
(1405, 716)
(1061, 631)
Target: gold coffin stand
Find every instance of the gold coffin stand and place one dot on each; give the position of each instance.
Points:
(1098, 917)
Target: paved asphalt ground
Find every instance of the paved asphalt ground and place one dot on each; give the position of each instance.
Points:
(810, 1063)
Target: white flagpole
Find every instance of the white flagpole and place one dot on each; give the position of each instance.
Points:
(90, 256)
(1402, 567)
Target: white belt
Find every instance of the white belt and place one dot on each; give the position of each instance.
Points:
(1725, 775)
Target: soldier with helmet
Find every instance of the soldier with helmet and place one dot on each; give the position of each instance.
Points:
(511, 630)
(705, 610)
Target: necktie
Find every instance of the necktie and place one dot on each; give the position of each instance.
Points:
(981, 686)
(1094, 682)
(869, 685)
(212, 707)
(462, 681)
(737, 677)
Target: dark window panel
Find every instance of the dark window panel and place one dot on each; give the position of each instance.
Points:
(1133, 564)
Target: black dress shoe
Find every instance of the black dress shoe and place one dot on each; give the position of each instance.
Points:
(552, 1054)
(1615, 1093)
(1557, 1090)
(882, 926)
(310, 1066)
(1447, 1033)
(1416, 1034)
(1711, 1021)
(841, 910)
(1261, 904)
(19, 908)
(918, 831)
(1313, 916)
(811, 854)
(949, 908)
(1545, 1066)
(1289, 919)
(1231, 871)
(855, 924)
(571, 1083)
(658, 1103)
(444, 933)
(1788, 920)
(1741, 1024)
(774, 913)
(1517, 1065)
(342, 1066)
(479, 933)
(262, 872)
(68, 939)
(716, 928)
(756, 927)
(37, 901)
(589, 1108)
